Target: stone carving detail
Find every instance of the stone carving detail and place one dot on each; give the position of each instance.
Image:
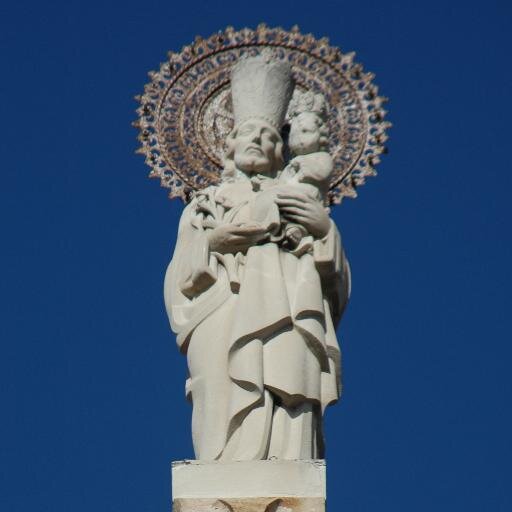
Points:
(249, 505)
(249, 486)
(278, 506)
(186, 109)
(259, 131)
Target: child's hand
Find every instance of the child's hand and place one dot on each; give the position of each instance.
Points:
(294, 235)
(294, 165)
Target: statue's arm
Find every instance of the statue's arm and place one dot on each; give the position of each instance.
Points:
(334, 270)
(191, 267)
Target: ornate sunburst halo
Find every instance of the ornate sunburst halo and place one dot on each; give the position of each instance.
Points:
(185, 111)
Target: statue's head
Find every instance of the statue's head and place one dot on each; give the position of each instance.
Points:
(309, 132)
(254, 147)
(261, 88)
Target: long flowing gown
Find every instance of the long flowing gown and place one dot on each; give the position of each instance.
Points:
(258, 330)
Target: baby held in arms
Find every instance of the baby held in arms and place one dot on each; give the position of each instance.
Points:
(308, 171)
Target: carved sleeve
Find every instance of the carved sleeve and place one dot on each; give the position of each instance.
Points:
(197, 272)
(334, 270)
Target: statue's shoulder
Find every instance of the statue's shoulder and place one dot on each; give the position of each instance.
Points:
(226, 193)
(316, 166)
(233, 192)
(322, 158)
(206, 194)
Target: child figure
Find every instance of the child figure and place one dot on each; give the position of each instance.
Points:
(309, 170)
(311, 166)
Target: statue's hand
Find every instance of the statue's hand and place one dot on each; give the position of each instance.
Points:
(233, 238)
(304, 210)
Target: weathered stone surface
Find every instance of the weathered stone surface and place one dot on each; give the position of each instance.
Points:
(249, 486)
(259, 279)
(250, 505)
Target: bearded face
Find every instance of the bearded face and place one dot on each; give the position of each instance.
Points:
(255, 147)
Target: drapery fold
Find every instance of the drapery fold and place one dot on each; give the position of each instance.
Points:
(258, 330)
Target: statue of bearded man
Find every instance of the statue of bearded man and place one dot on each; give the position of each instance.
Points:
(255, 319)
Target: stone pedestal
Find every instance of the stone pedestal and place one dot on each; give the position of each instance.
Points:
(249, 486)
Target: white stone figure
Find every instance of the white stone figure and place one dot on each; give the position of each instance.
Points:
(256, 320)
(309, 171)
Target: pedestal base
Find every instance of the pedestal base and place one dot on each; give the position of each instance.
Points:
(249, 486)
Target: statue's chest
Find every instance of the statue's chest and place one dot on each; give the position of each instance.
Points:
(236, 200)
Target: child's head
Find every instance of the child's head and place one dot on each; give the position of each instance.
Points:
(306, 134)
(308, 127)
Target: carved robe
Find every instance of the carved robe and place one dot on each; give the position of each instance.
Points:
(258, 330)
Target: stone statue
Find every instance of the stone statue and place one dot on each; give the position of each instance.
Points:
(256, 322)
(259, 279)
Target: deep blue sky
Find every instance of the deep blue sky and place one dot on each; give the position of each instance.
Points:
(92, 384)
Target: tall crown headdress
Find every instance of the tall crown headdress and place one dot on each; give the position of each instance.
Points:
(307, 102)
(261, 87)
